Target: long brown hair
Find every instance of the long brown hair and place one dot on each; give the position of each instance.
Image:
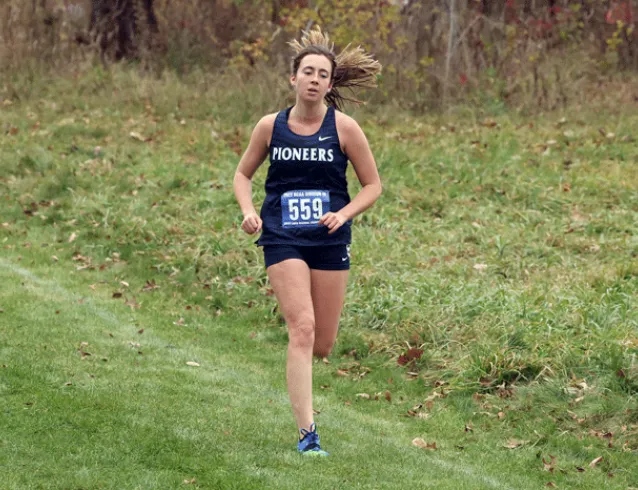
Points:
(352, 68)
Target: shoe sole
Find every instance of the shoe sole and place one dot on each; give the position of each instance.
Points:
(314, 454)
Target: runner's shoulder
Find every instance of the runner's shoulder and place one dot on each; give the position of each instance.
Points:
(264, 128)
(267, 122)
(347, 127)
(344, 121)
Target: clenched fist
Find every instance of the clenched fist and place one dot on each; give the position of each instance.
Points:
(251, 224)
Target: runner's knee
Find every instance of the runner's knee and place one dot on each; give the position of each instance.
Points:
(323, 350)
(301, 332)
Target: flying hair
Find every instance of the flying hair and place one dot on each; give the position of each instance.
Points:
(353, 68)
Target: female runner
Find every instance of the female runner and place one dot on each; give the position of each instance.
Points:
(306, 215)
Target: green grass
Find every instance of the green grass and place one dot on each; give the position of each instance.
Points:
(502, 253)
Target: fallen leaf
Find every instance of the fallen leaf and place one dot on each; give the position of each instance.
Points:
(341, 372)
(514, 444)
(192, 363)
(418, 442)
(388, 396)
(179, 323)
(140, 331)
(501, 415)
(434, 396)
(365, 396)
(137, 136)
(117, 295)
(124, 283)
(132, 303)
(551, 484)
(549, 466)
(150, 286)
(410, 355)
(325, 360)
(480, 267)
(190, 482)
(595, 462)
(73, 237)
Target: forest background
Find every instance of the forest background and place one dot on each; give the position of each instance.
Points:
(531, 54)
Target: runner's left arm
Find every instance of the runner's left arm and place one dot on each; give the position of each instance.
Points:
(356, 146)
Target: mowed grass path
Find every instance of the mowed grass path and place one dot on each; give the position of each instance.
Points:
(500, 263)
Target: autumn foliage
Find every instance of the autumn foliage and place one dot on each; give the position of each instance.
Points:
(540, 53)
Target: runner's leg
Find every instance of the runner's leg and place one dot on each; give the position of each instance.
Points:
(328, 289)
(290, 279)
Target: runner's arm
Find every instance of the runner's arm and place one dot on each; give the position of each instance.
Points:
(355, 146)
(358, 151)
(253, 157)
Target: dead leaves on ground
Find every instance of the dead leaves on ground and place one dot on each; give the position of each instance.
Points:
(514, 444)
(411, 355)
(354, 369)
(150, 286)
(419, 442)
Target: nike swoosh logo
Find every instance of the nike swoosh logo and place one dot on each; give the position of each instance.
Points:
(324, 138)
(343, 259)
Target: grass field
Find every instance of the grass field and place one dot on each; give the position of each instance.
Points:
(492, 308)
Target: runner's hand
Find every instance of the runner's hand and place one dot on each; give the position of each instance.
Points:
(333, 221)
(251, 223)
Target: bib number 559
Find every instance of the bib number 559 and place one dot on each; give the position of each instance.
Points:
(304, 208)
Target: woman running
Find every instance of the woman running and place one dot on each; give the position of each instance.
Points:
(306, 215)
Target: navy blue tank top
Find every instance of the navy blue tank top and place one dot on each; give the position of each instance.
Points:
(306, 179)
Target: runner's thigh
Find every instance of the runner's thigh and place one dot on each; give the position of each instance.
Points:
(328, 289)
(290, 280)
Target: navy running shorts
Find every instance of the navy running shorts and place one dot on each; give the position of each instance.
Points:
(323, 258)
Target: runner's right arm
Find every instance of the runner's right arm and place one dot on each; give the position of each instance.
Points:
(252, 158)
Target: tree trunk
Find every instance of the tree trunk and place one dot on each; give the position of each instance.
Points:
(118, 26)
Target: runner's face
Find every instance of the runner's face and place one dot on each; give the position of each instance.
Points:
(312, 80)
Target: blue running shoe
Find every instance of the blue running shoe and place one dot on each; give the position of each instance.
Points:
(309, 443)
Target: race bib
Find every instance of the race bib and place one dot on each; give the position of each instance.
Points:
(303, 208)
